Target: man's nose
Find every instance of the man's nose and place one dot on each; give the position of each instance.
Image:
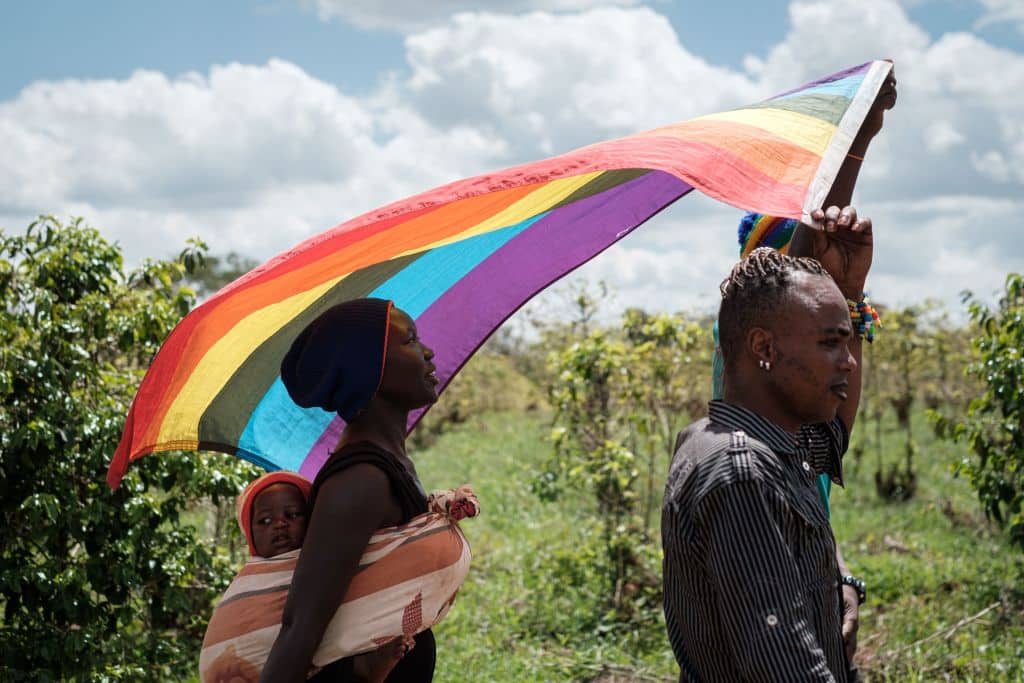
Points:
(850, 362)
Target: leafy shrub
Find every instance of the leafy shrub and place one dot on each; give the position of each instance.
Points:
(95, 585)
(994, 424)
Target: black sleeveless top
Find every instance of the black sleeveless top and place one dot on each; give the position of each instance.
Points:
(418, 665)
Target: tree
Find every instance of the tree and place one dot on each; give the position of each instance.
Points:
(95, 585)
(620, 395)
(994, 424)
(900, 361)
(213, 272)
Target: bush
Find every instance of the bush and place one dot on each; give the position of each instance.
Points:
(96, 585)
(994, 424)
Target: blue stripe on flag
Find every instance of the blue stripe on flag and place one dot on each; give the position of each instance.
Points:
(277, 425)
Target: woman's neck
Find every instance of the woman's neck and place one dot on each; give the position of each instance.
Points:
(380, 424)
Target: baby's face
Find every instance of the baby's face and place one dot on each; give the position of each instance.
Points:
(278, 520)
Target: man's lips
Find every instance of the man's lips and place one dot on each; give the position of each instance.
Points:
(841, 390)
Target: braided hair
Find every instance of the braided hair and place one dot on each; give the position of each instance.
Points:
(754, 291)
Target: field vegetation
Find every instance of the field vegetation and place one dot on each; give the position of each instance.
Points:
(565, 433)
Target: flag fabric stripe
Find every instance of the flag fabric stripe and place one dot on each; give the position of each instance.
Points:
(280, 425)
(462, 257)
(581, 230)
(797, 128)
(232, 409)
(847, 76)
(829, 108)
(238, 399)
(835, 155)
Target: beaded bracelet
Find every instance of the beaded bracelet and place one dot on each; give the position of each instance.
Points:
(864, 318)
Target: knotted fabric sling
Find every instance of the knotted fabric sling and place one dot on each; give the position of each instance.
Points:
(406, 582)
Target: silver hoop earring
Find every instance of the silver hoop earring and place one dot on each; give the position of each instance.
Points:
(765, 365)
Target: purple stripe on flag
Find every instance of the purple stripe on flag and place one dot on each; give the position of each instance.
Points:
(321, 450)
(861, 68)
(552, 247)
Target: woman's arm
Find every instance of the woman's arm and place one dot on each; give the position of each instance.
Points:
(349, 507)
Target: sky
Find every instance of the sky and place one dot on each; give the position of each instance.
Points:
(255, 125)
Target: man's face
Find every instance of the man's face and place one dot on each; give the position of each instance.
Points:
(278, 520)
(813, 360)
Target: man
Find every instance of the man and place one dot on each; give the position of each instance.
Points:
(752, 584)
(800, 240)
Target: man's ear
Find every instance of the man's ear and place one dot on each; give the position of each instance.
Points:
(760, 343)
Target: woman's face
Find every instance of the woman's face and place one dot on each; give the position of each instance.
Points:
(410, 378)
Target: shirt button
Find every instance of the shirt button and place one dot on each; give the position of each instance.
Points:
(772, 620)
(807, 466)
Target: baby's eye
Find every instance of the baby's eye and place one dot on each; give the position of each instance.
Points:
(263, 520)
(295, 515)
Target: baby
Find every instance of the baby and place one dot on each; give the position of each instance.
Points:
(273, 513)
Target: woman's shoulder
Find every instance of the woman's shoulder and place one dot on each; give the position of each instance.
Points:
(358, 453)
(365, 455)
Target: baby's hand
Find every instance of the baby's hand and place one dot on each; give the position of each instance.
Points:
(374, 667)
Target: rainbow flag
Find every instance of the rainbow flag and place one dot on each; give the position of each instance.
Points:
(463, 257)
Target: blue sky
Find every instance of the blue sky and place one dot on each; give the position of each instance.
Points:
(59, 39)
(257, 124)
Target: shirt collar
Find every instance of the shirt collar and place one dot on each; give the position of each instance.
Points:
(763, 429)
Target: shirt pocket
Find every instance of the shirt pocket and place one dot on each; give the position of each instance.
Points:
(812, 541)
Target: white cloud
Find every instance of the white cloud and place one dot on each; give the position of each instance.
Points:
(537, 79)
(674, 262)
(252, 158)
(1002, 11)
(412, 15)
(937, 247)
(941, 136)
(825, 37)
(256, 158)
(992, 164)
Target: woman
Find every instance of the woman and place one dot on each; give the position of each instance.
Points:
(363, 360)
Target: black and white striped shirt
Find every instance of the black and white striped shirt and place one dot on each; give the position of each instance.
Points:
(750, 572)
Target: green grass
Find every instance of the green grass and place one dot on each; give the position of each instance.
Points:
(930, 563)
